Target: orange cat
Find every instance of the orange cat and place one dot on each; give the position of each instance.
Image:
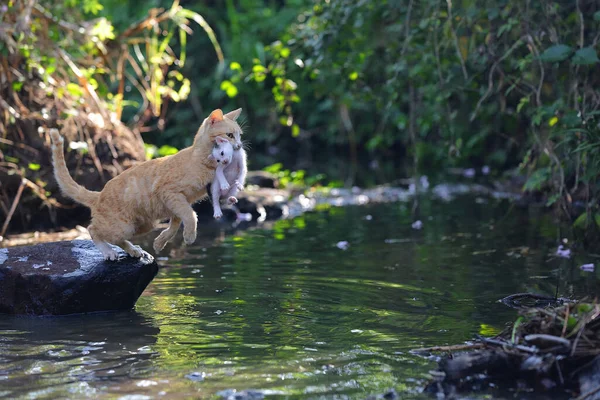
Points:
(161, 188)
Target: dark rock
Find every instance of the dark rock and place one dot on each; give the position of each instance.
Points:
(262, 179)
(389, 395)
(264, 203)
(589, 380)
(70, 277)
(247, 205)
(204, 209)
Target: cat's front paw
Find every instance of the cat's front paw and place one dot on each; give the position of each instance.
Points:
(135, 251)
(218, 215)
(232, 200)
(239, 185)
(225, 187)
(189, 236)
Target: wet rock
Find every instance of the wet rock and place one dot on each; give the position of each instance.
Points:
(232, 394)
(69, 277)
(264, 203)
(196, 376)
(262, 179)
(389, 395)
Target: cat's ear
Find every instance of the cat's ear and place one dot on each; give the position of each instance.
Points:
(233, 115)
(221, 140)
(211, 157)
(215, 116)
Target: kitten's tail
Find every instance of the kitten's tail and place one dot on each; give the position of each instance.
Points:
(66, 183)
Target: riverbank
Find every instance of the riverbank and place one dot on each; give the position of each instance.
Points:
(264, 200)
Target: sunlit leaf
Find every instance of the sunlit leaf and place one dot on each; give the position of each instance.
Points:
(34, 167)
(229, 88)
(103, 30)
(92, 7)
(285, 52)
(167, 150)
(151, 151)
(74, 89)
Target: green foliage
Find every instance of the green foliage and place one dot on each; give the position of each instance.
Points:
(297, 178)
(455, 83)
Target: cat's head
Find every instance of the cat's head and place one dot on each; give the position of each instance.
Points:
(224, 125)
(222, 151)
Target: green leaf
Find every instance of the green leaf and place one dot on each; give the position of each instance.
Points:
(167, 150)
(295, 130)
(585, 56)
(34, 167)
(522, 103)
(74, 89)
(151, 151)
(581, 221)
(274, 168)
(229, 88)
(537, 179)
(353, 76)
(556, 53)
(235, 66)
(103, 30)
(285, 52)
(92, 7)
(260, 73)
(552, 199)
(183, 43)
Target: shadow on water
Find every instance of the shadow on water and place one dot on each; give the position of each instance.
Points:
(287, 311)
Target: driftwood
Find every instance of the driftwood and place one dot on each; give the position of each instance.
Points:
(546, 349)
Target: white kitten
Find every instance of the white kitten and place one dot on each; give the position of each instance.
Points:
(230, 175)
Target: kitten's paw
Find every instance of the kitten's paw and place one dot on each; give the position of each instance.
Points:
(110, 255)
(232, 200)
(225, 187)
(189, 236)
(239, 186)
(218, 215)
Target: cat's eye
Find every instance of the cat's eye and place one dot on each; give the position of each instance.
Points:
(230, 135)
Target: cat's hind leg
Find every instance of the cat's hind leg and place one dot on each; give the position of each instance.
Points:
(232, 194)
(178, 205)
(105, 248)
(166, 235)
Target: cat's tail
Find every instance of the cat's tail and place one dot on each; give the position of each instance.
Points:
(67, 185)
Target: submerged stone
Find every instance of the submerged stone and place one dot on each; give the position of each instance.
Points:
(70, 277)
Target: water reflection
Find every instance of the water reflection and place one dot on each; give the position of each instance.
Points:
(67, 356)
(286, 311)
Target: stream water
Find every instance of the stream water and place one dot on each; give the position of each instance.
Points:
(285, 311)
